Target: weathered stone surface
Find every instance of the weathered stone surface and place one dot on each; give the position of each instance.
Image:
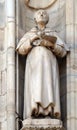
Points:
(2, 13)
(71, 33)
(64, 19)
(42, 124)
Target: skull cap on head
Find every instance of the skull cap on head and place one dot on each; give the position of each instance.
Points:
(41, 16)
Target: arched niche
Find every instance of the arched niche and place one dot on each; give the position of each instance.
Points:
(57, 21)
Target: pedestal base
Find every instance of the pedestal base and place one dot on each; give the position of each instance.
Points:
(42, 124)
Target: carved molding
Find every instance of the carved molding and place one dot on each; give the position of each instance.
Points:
(39, 5)
(42, 124)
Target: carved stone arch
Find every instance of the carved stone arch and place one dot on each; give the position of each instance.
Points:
(33, 4)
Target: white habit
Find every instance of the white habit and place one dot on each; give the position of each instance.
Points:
(41, 87)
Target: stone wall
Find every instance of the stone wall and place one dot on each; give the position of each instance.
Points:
(3, 70)
(71, 39)
(7, 86)
(63, 19)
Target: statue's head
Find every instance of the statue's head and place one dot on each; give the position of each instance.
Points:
(41, 16)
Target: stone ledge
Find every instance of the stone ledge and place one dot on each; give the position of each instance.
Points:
(42, 124)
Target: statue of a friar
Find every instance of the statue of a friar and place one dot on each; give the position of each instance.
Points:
(41, 87)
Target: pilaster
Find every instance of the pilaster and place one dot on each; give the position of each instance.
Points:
(71, 39)
(11, 64)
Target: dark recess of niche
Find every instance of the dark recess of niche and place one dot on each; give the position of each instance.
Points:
(63, 89)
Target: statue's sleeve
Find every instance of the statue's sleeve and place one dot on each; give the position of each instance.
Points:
(24, 45)
(59, 50)
(59, 47)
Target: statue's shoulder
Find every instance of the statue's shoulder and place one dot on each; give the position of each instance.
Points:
(33, 30)
(30, 33)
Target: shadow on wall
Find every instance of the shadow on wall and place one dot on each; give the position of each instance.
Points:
(63, 90)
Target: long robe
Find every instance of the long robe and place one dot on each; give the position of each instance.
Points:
(41, 87)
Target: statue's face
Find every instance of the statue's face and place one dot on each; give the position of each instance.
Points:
(41, 16)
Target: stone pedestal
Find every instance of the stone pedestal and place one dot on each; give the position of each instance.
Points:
(42, 124)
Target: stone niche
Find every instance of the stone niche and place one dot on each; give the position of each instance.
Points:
(57, 14)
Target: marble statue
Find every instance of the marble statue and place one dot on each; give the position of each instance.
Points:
(41, 88)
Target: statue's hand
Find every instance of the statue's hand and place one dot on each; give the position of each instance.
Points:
(47, 43)
(36, 43)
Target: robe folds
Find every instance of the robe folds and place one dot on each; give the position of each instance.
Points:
(41, 87)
